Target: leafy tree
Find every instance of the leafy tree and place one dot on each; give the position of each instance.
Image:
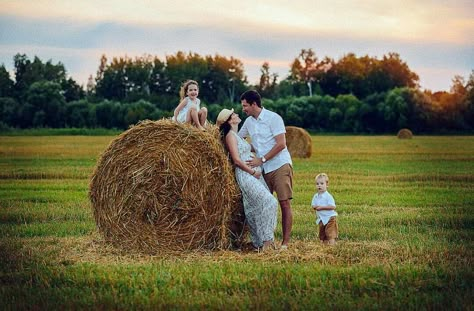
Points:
(110, 114)
(26, 114)
(424, 116)
(147, 88)
(49, 71)
(6, 84)
(349, 106)
(312, 119)
(287, 88)
(224, 80)
(71, 90)
(450, 107)
(160, 86)
(79, 114)
(48, 103)
(399, 110)
(111, 80)
(295, 111)
(140, 110)
(9, 111)
(213, 111)
(181, 67)
(138, 73)
(125, 79)
(29, 72)
(304, 69)
(322, 107)
(366, 112)
(101, 70)
(352, 74)
(159, 82)
(469, 101)
(370, 115)
(363, 76)
(90, 87)
(335, 118)
(397, 73)
(268, 82)
(456, 103)
(22, 74)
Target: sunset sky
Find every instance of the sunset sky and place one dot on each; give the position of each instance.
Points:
(435, 38)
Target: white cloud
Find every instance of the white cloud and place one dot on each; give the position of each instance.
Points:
(424, 20)
(426, 33)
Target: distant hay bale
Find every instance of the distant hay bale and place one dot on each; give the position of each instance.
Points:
(162, 186)
(405, 134)
(298, 142)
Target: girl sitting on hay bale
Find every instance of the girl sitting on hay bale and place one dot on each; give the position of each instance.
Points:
(260, 206)
(188, 110)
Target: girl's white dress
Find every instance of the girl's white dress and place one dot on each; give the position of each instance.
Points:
(181, 117)
(260, 206)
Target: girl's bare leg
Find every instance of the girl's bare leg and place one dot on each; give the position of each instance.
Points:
(202, 116)
(193, 118)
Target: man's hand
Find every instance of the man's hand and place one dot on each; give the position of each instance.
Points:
(254, 162)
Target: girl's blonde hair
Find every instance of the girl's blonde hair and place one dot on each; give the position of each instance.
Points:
(322, 176)
(184, 88)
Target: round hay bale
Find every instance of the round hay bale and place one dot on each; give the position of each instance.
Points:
(405, 134)
(298, 142)
(163, 186)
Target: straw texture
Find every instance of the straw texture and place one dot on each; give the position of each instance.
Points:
(405, 134)
(298, 142)
(162, 186)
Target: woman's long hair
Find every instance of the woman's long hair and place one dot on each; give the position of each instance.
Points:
(224, 129)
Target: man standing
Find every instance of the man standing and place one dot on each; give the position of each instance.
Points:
(267, 132)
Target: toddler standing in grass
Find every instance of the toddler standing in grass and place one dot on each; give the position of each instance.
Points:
(325, 206)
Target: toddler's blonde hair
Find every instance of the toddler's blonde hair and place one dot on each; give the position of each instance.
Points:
(323, 176)
(184, 88)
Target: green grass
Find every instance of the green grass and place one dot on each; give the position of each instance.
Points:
(406, 226)
(59, 132)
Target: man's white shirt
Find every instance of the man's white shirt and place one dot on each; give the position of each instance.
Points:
(262, 132)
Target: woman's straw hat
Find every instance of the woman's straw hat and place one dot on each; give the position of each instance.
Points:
(224, 116)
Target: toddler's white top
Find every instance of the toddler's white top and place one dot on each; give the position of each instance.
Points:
(324, 199)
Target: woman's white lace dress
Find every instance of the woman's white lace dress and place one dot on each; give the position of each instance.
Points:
(260, 206)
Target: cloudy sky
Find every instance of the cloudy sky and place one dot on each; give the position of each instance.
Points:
(434, 37)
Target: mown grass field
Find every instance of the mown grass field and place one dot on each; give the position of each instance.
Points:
(406, 226)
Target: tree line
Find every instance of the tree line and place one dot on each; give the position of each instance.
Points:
(353, 94)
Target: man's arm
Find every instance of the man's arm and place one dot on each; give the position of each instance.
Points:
(244, 132)
(279, 146)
